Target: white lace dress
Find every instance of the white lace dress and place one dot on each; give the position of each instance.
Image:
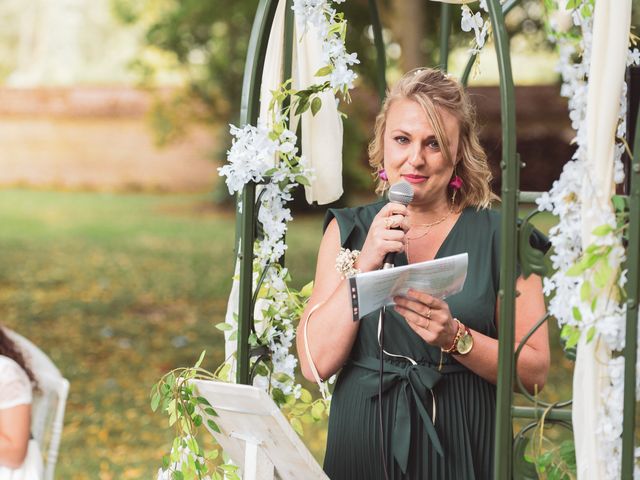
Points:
(15, 389)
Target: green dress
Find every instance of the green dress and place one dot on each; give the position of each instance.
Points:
(458, 445)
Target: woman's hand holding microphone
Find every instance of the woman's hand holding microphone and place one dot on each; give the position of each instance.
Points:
(386, 235)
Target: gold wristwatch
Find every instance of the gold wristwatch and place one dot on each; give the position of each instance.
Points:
(464, 344)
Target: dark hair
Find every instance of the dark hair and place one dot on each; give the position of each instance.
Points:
(9, 349)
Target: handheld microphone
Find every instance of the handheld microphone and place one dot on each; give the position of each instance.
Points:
(402, 193)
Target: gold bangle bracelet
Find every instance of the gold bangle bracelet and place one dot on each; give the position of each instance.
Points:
(454, 345)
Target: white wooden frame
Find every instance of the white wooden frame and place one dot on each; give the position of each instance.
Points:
(256, 435)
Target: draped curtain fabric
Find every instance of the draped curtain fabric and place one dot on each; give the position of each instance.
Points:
(321, 134)
(611, 25)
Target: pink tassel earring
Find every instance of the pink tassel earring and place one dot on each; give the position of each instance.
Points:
(455, 184)
(382, 175)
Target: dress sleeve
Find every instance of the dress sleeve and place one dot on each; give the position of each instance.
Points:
(346, 222)
(15, 386)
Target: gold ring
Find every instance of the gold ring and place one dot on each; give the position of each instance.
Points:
(429, 313)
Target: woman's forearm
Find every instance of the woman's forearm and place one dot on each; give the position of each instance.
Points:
(532, 366)
(331, 332)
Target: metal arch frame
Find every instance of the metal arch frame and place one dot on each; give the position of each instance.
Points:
(249, 110)
(510, 165)
(381, 54)
(511, 196)
(633, 294)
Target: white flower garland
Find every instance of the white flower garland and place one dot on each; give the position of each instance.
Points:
(331, 26)
(250, 159)
(572, 304)
(269, 157)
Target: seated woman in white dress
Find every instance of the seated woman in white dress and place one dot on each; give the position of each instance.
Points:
(20, 457)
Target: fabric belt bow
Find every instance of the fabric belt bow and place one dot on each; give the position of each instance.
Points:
(415, 381)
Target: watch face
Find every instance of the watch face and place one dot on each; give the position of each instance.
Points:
(465, 344)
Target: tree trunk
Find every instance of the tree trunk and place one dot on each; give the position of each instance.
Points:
(408, 25)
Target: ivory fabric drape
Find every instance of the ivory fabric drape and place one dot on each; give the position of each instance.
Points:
(321, 134)
(611, 25)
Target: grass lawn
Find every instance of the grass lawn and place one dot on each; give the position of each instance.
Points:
(118, 289)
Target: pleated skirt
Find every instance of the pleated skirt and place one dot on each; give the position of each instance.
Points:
(465, 422)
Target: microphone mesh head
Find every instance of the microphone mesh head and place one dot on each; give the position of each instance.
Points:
(401, 192)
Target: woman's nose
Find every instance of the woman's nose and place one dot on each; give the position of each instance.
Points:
(416, 158)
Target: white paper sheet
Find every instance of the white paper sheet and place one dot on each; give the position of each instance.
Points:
(440, 278)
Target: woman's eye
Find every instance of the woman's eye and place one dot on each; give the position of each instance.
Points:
(433, 144)
(402, 140)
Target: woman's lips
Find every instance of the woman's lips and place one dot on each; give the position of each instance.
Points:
(414, 178)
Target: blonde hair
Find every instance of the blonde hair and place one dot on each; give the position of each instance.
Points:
(434, 90)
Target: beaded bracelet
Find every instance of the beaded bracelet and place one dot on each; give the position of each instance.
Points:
(345, 261)
(454, 344)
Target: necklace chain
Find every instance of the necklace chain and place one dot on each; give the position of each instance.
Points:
(427, 229)
(428, 226)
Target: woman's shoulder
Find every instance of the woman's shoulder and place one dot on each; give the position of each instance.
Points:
(353, 222)
(9, 368)
(362, 213)
(483, 220)
(9, 364)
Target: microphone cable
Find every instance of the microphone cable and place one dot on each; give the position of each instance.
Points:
(381, 342)
(402, 193)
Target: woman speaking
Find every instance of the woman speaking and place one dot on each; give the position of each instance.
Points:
(441, 357)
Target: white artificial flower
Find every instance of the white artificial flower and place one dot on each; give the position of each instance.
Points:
(184, 456)
(309, 11)
(333, 48)
(470, 21)
(548, 286)
(342, 76)
(544, 202)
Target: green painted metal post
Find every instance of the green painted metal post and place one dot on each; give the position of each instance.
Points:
(633, 295)
(503, 451)
(550, 415)
(287, 62)
(381, 56)
(445, 31)
(250, 106)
